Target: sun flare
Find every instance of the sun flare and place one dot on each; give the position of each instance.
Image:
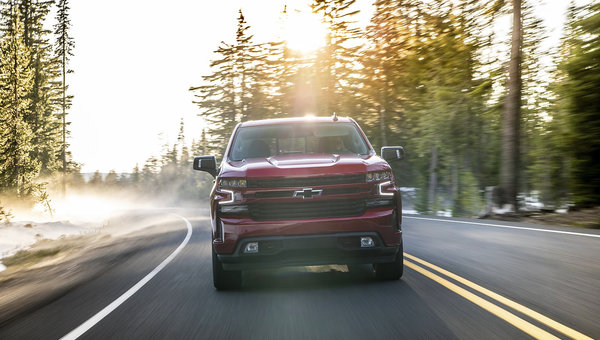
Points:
(304, 32)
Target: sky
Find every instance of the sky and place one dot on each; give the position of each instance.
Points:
(135, 60)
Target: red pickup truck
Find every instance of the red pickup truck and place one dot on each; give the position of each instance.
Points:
(301, 192)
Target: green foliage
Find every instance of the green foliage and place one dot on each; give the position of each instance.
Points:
(63, 50)
(333, 71)
(29, 90)
(581, 67)
(422, 205)
(549, 169)
(423, 74)
(227, 96)
(420, 80)
(17, 169)
(468, 201)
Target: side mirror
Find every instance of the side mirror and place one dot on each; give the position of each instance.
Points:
(392, 153)
(206, 163)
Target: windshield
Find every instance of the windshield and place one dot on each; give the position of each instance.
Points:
(307, 138)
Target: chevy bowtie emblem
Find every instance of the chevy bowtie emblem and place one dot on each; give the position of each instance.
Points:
(307, 193)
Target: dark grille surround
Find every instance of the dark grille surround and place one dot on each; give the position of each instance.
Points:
(305, 181)
(307, 210)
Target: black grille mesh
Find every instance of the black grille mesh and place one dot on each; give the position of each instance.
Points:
(305, 181)
(307, 210)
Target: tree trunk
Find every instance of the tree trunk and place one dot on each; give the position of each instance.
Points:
(382, 133)
(64, 121)
(433, 180)
(509, 172)
(16, 85)
(455, 194)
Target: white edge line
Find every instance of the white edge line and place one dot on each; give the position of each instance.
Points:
(504, 226)
(84, 327)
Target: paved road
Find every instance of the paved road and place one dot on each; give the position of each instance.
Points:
(547, 284)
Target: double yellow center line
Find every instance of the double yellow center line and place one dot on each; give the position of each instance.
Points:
(500, 312)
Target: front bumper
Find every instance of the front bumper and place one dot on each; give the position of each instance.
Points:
(230, 230)
(309, 250)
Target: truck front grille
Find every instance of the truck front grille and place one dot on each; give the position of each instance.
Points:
(307, 210)
(305, 181)
(290, 193)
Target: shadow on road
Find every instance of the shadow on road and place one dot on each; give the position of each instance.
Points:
(311, 278)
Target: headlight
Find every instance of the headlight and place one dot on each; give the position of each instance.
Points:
(378, 176)
(232, 182)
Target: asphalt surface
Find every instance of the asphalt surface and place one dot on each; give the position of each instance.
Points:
(556, 275)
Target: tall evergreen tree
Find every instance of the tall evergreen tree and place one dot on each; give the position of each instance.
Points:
(509, 171)
(216, 98)
(334, 71)
(535, 91)
(382, 61)
(581, 68)
(229, 92)
(42, 117)
(17, 170)
(64, 50)
(285, 95)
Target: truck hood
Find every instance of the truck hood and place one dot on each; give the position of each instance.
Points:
(303, 166)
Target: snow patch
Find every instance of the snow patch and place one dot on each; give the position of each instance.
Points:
(77, 214)
(507, 208)
(443, 213)
(22, 235)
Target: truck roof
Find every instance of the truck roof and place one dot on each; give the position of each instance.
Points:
(295, 120)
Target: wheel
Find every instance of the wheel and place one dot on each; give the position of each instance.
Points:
(391, 271)
(224, 279)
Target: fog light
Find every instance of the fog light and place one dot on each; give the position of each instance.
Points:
(251, 247)
(366, 242)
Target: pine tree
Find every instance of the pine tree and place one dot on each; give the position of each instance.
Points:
(386, 71)
(135, 177)
(96, 180)
(334, 71)
(534, 124)
(111, 179)
(509, 171)
(42, 117)
(581, 67)
(17, 170)
(278, 74)
(443, 102)
(246, 68)
(216, 99)
(149, 176)
(64, 50)
(230, 92)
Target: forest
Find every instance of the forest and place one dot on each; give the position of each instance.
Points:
(433, 77)
(476, 111)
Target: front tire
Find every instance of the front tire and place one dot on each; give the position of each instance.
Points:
(391, 271)
(224, 279)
